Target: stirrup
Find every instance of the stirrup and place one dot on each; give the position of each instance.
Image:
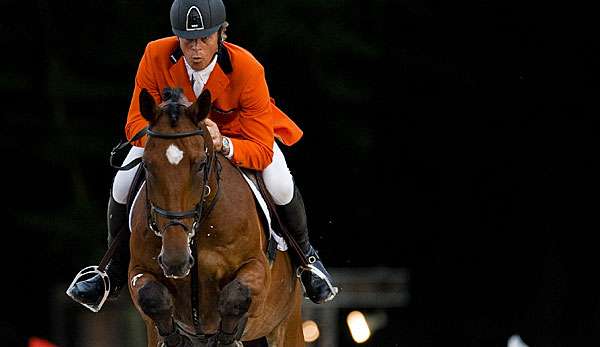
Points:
(311, 268)
(88, 273)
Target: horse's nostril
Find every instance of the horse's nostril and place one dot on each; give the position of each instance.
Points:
(191, 261)
(160, 259)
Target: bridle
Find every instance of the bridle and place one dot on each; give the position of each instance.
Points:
(198, 214)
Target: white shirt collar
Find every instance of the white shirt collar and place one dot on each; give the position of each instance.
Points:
(204, 74)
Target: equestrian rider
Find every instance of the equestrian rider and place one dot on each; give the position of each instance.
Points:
(243, 123)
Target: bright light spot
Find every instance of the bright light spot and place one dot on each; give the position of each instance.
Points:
(310, 330)
(358, 327)
(516, 341)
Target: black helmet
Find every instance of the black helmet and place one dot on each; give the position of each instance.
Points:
(192, 19)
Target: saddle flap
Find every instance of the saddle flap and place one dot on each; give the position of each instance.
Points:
(267, 207)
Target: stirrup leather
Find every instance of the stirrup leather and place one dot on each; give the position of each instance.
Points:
(88, 273)
(311, 268)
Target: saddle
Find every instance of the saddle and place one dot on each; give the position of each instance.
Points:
(264, 205)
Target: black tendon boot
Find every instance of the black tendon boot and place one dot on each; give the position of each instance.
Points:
(317, 282)
(91, 291)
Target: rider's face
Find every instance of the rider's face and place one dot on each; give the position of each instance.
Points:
(199, 52)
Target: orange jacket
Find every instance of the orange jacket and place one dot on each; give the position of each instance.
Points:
(242, 107)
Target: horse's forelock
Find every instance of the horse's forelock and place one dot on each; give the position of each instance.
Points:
(173, 98)
(172, 94)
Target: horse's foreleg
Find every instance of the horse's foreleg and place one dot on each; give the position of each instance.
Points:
(154, 300)
(235, 300)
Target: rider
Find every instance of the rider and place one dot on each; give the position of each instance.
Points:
(244, 123)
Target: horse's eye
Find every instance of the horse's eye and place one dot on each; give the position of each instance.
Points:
(201, 165)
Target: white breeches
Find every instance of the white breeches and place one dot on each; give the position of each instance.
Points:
(277, 177)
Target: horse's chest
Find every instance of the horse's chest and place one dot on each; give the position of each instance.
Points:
(213, 264)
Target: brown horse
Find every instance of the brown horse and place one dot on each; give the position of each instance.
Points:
(195, 207)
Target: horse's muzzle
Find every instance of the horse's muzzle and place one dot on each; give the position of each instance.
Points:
(175, 269)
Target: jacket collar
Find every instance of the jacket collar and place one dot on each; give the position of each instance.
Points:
(224, 60)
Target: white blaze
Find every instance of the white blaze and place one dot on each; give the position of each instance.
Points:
(174, 154)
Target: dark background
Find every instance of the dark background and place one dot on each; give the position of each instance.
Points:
(454, 140)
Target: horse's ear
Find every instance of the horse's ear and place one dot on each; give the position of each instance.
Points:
(199, 109)
(147, 105)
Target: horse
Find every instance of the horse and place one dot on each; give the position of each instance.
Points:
(195, 220)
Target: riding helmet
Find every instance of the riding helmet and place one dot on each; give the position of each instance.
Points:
(192, 19)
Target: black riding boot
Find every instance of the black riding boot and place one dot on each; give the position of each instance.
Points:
(91, 291)
(317, 282)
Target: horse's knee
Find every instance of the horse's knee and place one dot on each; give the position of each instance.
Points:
(235, 299)
(155, 300)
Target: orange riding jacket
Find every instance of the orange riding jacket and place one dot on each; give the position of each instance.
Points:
(241, 105)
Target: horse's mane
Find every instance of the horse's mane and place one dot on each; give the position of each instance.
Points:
(172, 97)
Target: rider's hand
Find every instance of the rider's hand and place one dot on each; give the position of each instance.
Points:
(217, 138)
